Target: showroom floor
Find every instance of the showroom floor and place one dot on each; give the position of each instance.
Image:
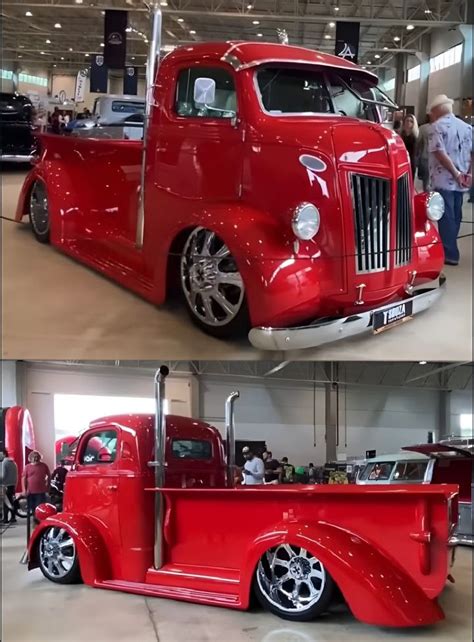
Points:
(41, 285)
(35, 609)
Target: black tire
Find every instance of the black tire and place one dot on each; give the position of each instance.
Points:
(50, 570)
(21, 508)
(238, 324)
(282, 606)
(38, 212)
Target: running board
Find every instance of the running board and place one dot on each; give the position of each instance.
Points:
(173, 593)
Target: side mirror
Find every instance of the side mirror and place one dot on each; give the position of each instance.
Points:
(204, 91)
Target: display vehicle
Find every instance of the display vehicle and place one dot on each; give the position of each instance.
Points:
(17, 436)
(266, 191)
(155, 512)
(449, 461)
(17, 138)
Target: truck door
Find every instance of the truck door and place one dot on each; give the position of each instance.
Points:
(92, 484)
(198, 154)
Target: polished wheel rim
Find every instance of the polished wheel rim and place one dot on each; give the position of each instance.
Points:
(39, 208)
(211, 281)
(291, 578)
(57, 552)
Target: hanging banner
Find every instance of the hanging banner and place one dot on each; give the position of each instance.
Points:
(99, 79)
(80, 91)
(115, 38)
(347, 40)
(130, 81)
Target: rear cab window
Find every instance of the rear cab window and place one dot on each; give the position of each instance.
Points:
(191, 449)
(377, 471)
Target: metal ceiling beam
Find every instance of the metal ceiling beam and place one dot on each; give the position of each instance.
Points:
(449, 366)
(307, 18)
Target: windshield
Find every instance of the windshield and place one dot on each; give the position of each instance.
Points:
(299, 91)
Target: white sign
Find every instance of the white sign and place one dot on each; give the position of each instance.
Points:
(80, 86)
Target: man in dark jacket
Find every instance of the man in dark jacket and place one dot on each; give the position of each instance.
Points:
(8, 480)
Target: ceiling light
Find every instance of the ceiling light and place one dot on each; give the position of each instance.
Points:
(250, 7)
(62, 57)
(369, 62)
(332, 24)
(180, 19)
(260, 35)
(20, 56)
(410, 27)
(21, 46)
(57, 25)
(327, 36)
(28, 14)
(397, 38)
(54, 65)
(102, 13)
(42, 53)
(71, 49)
(128, 29)
(422, 363)
(102, 44)
(87, 55)
(163, 3)
(133, 57)
(377, 56)
(336, 8)
(78, 1)
(48, 41)
(255, 22)
(385, 48)
(192, 32)
(427, 10)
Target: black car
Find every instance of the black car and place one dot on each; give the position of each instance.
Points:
(17, 141)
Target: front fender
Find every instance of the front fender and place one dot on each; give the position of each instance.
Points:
(94, 560)
(280, 284)
(376, 588)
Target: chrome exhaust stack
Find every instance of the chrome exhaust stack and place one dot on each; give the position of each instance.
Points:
(230, 436)
(151, 70)
(159, 462)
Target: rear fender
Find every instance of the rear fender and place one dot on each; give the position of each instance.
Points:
(94, 559)
(274, 276)
(376, 588)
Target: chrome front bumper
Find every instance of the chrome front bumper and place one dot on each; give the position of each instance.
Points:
(319, 333)
(16, 158)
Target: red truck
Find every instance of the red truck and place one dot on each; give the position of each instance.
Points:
(155, 512)
(266, 192)
(17, 436)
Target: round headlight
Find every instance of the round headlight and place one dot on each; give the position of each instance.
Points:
(435, 206)
(305, 222)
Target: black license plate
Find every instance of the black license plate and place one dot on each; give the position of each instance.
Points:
(390, 317)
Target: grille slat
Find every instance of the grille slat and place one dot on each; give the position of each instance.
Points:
(371, 200)
(404, 222)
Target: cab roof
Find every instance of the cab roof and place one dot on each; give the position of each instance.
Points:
(394, 457)
(244, 54)
(176, 426)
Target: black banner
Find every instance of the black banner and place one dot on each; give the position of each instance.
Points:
(130, 81)
(347, 40)
(99, 78)
(115, 38)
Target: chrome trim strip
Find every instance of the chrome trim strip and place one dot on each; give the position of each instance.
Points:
(313, 63)
(311, 336)
(17, 158)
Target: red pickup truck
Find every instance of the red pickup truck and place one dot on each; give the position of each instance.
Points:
(154, 511)
(266, 192)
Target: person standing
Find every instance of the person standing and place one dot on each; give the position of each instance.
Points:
(409, 134)
(8, 480)
(450, 149)
(272, 468)
(58, 480)
(35, 480)
(253, 471)
(288, 475)
(422, 155)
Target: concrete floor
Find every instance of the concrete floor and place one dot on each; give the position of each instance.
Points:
(35, 609)
(55, 308)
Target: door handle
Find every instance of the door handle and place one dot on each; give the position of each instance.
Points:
(112, 487)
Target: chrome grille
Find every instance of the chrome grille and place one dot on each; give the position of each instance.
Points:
(371, 200)
(404, 226)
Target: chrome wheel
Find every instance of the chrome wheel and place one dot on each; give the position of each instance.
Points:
(210, 279)
(57, 553)
(39, 212)
(290, 578)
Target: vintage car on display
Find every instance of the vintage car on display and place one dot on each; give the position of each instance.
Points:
(266, 192)
(17, 139)
(156, 513)
(450, 461)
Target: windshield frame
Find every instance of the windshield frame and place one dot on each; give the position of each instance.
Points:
(326, 81)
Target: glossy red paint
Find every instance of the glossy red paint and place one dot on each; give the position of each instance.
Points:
(389, 573)
(17, 434)
(241, 181)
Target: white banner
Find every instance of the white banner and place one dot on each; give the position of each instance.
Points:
(80, 86)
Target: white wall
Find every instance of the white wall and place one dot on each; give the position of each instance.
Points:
(42, 382)
(461, 403)
(9, 388)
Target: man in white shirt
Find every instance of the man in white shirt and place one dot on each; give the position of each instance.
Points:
(253, 472)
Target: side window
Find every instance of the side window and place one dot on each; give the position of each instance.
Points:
(191, 449)
(345, 102)
(410, 471)
(100, 448)
(225, 104)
